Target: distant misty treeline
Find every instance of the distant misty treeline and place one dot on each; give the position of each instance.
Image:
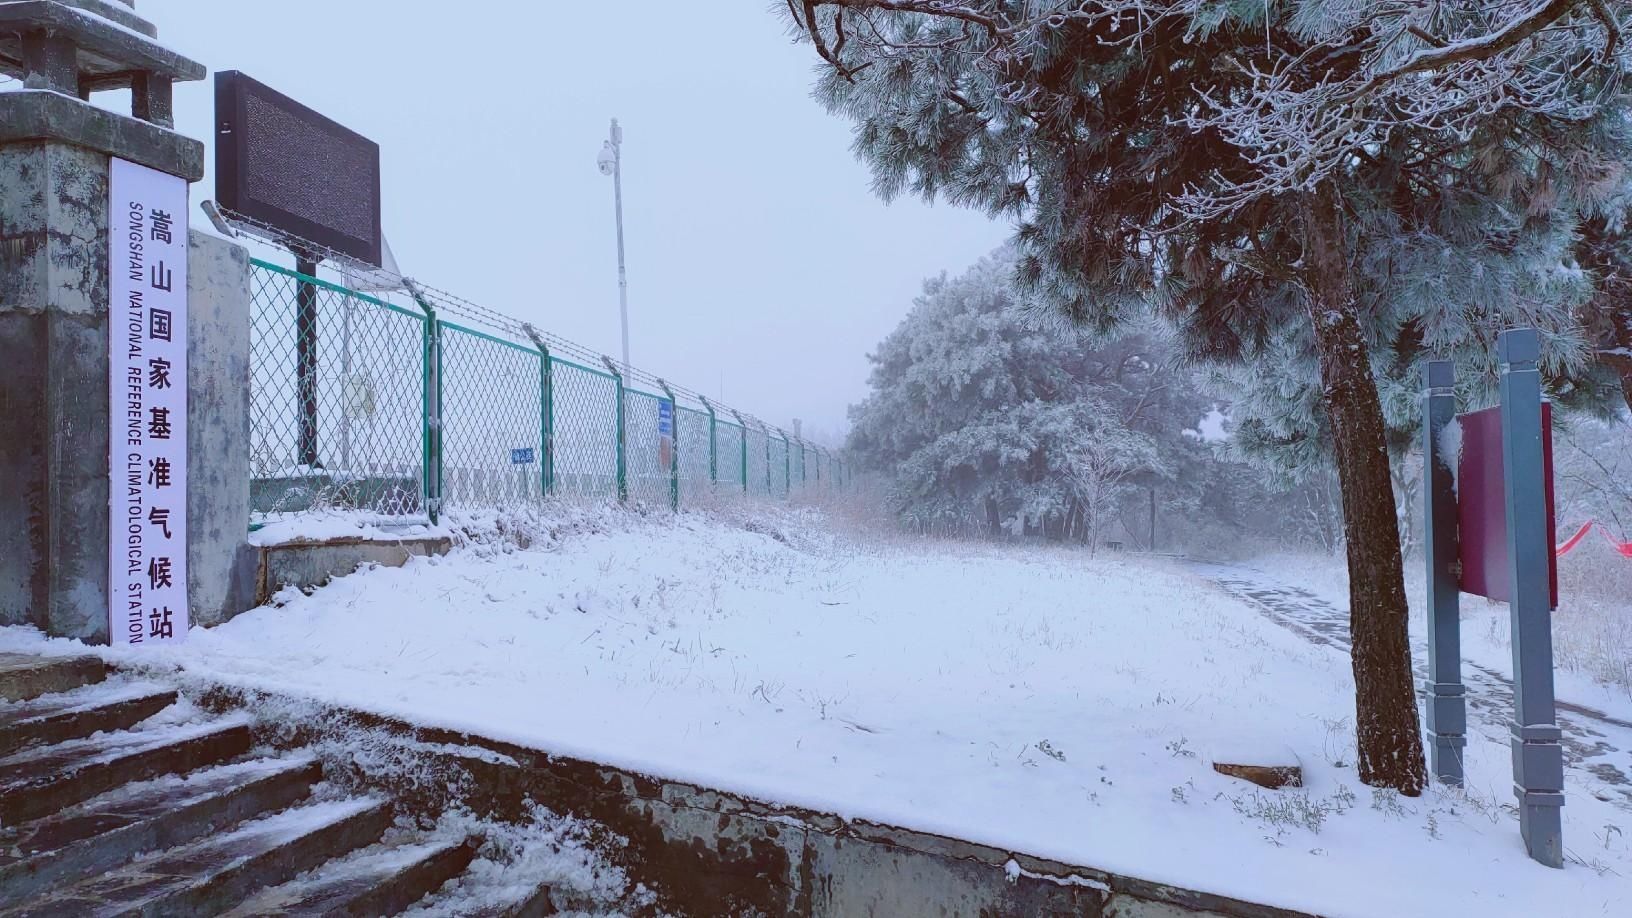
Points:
(989, 418)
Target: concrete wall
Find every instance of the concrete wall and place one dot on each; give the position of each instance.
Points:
(54, 388)
(220, 563)
(307, 564)
(708, 852)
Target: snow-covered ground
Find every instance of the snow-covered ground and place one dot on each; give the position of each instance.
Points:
(1028, 698)
(1592, 627)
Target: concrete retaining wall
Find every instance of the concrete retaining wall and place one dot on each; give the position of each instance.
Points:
(307, 564)
(714, 853)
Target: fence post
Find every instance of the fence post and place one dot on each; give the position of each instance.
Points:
(546, 410)
(622, 469)
(1444, 693)
(787, 463)
(432, 428)
(306, 355)
(713, 444)
(1538, 758)
(767, 429)
(674, 446)
(744, 425)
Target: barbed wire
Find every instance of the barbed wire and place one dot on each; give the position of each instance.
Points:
(243, 227)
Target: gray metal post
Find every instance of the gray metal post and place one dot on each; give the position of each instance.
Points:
(1444, 692)
(612, 164)
(1538, 758)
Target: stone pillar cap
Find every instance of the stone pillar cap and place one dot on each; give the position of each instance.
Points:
(44, 115)
(106, 48)
(120, 11)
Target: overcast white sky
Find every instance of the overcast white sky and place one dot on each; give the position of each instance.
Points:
(761, 267)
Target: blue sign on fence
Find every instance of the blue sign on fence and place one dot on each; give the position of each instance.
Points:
(665, 433)
(522, 456)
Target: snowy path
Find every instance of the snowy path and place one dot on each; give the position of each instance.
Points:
(1594, 742)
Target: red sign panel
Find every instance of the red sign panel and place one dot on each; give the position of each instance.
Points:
(1481, 504)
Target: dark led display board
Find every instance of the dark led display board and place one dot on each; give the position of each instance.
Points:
(280, 163)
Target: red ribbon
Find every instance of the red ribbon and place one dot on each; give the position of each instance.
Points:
(1574, 540)
(1624, 548)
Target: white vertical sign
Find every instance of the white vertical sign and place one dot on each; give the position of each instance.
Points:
(147, 392)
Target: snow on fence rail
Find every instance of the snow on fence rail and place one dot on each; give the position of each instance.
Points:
(395, 413)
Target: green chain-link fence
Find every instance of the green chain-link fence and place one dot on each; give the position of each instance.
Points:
(393, 412)
(337, 400)
(492, 419)
(728, 456)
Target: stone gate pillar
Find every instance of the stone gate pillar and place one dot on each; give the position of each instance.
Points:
(55, 149)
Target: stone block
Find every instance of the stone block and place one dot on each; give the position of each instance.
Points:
(220, 563)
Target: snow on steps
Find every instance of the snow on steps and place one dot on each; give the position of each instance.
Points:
(117, 797)
(44, 779)
(80, 712)
(23, 677)
(212, 874)
(104, 833)
(379, 880)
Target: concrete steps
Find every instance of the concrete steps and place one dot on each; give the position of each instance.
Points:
(79, 713)
(120, 797)
(106, 832)
(46, 779)
(23, 677)
(209, 876)
(382, 879)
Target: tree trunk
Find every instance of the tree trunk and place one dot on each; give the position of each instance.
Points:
(1619, 357)
(1390, 746)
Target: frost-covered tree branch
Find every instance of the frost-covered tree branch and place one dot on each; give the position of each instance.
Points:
(1441, 68)
(1332, 80)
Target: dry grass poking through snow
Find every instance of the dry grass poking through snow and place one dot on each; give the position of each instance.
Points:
(1592, 627)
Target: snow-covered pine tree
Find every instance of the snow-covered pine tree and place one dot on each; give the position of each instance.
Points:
(1221, 159)
(988, 421)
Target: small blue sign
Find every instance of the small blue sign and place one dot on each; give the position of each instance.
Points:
(665, 418)
(521, 456)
